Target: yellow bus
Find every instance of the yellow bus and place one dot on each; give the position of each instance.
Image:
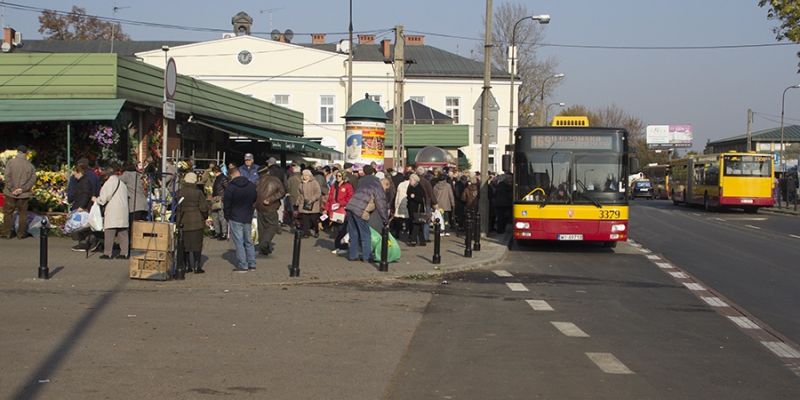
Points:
(723, 180)
(570, 183)
(657, 173)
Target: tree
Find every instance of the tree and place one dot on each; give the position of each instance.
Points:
(788, 12)
(531, 71)
(76, 25)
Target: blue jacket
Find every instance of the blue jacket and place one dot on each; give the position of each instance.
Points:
(369, 187)
(250, 173)
(239, 200)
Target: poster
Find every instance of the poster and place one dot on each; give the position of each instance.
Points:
(365, 143)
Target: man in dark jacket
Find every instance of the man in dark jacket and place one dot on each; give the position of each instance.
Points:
(237, 202)
(350, 176)
(425, 182)
(503, 201)
(217, 214)
(368, 198)
(270, 192)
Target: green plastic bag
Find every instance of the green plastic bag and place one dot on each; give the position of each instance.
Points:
(393, 251)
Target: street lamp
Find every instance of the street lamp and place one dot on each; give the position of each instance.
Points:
(783, 103)
(512, 52)
(547, 110)
(542, 110)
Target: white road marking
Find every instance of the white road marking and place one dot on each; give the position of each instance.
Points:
(645, 251)
(753, 226)
(539, 305)
(516, 287)
(748, 219)
(694, 286)
(502, 273)
(608, 363)
(782, 349)
(679, 275)
(664, 265)
(653, 257)
(719, 219)
(714, 301)
(795, 236)
(569, 329)
(744, 322)
(696, 214)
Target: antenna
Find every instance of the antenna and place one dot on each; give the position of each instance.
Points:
(269, 12)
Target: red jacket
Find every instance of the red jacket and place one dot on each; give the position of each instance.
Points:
(340, 195)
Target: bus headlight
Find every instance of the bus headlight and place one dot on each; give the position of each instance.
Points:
(522, 225)
(618, 228)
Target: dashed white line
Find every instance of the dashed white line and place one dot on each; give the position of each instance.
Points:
(744, 322)
(679, 275)
(795, 236)
(645, 251)
(753, 227)
(516, 287)
(608, 363)
(719, 219)
(502, 273)
(653, 257)
(569, 329)
(782, 349)
(714, 301)
(539, 305)
(664, 265)
(696, 214)
(694, 286)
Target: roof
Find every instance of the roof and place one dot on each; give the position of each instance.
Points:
(126, 48)
(418, 113)
(791, 133)
(451, 136)
(366, 109)
(60, 110)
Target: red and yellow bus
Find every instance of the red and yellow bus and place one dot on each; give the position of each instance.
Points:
(731, 179)
(570, 183)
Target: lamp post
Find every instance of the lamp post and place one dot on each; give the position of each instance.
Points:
(542, 110)
(547, 110)
(783, 104)
(512, 52)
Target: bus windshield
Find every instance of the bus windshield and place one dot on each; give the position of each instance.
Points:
(544, 176)
(736, 165)
(597, 177)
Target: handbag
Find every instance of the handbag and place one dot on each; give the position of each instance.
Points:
(337, 217)
(308, 205)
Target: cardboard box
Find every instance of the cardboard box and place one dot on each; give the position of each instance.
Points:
(151, 265)
(152, 236)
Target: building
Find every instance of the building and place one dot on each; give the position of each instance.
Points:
(763, 141)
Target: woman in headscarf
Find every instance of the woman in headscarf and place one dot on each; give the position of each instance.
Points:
(340, 193)
(415, 195)
(192, 213)
(308, 203)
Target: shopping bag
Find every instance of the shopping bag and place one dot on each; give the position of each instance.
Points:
(96, 218)
(392, 249)
(77, 220)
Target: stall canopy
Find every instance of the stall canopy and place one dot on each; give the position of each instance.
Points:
(278, 141)
(60, 110)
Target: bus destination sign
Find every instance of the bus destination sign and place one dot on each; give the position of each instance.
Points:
(572, 142)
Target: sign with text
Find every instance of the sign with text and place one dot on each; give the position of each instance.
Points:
(669, 136)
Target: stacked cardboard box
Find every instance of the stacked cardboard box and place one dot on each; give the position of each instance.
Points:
(152, 248)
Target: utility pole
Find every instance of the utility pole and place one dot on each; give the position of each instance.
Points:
(399, 81)
(749, 125)
(487, 80)
(350, 61)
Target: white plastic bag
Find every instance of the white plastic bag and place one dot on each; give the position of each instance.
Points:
(346, 238)
(77, 220)
(95, 218)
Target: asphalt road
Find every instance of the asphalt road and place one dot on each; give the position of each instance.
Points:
(620, 328)
(752, 259)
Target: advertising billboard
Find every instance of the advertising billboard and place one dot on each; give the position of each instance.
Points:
(365, 143)
(666, 136)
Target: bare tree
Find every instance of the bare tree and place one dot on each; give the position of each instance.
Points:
(76, 25)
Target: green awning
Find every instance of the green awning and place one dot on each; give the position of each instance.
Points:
(60, 110)
(278, 141)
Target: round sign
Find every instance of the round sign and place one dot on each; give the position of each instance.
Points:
(170, 79)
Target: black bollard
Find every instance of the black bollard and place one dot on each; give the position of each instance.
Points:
(383, 266)
(468, 234)
(44, 271)
(476, 232)
(180, 256)
(294, 269)
(437, 242)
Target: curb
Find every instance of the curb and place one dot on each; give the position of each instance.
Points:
(780, 211)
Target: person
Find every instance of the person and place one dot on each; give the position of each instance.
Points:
(137, 193)
(277, 171)
(424, 181)
(20, 176)
(94, 180)
(611, 184)
(249, 169)
(207, 180)
(114, 196)
(445, 201)
(80, 199)
(368, 198)
(238, 205)
(416, 210)
(270, 192)
(192, 213)
(351, 176)
(319, 176)
(338, 197)
(471, 194)
(401, 215)
(503, 201)
(218, 220)
(307, 203)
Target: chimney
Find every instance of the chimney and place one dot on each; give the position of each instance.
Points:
(366, 39)
(8, 39)
(317, 38)
(386, 48)
(415, 40)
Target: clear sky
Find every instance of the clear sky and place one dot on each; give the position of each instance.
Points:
(710, 89)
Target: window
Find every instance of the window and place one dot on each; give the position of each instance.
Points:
(326, 109)
(418, 99)
(376, 98)
(452, 108)
(281, 100)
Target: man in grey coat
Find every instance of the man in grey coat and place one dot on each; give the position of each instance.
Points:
(368, 198)
(20, 177)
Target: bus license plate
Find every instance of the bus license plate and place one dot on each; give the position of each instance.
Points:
(570, 237)
(747, 201)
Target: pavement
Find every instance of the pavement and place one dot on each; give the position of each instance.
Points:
(788, 209)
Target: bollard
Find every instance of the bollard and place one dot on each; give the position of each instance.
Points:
(180, 256)
(468, 234)
(384, 264)
(294, 269)
(437, 243)
(476, 232)
(44, 271)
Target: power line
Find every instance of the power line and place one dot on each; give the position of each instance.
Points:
(286, 73)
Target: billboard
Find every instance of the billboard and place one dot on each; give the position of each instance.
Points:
(665, 136)
(365, 143)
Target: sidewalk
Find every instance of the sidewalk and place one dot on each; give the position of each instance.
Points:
(786, 209)
(69, 269)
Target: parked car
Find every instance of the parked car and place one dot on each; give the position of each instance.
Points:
(642, 188)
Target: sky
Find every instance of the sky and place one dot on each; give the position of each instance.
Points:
(708, 88)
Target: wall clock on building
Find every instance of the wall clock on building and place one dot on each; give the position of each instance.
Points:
(245, 57)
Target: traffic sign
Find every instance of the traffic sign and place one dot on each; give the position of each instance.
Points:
(170, 79)
(169, 109)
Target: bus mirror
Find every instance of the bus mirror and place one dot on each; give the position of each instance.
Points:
(507, 162)
(634, 164)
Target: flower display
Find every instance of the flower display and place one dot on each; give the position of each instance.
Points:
(50, 191)
(107, 139)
